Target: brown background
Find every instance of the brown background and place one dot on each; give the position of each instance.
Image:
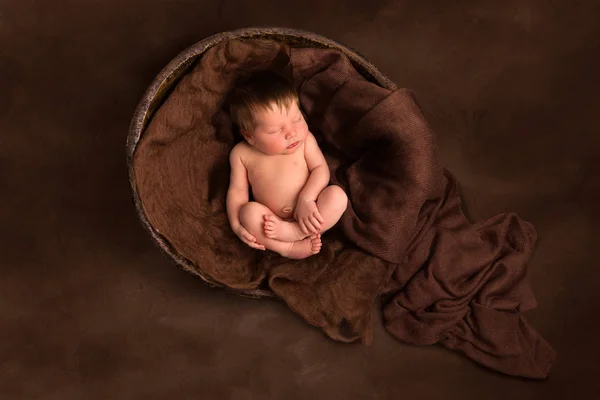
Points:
(89, 308)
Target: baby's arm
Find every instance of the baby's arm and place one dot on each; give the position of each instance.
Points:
(237, 196)
(319, 170)
(307, 214)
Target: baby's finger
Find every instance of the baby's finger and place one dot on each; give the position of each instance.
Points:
(315, 223)
(303, 227)
(311, 226)
(248, 236)
(318, 216)
(255, 245)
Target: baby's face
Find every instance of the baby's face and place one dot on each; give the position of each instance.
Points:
(278, 131)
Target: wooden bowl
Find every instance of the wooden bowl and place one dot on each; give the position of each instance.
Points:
(176, 69)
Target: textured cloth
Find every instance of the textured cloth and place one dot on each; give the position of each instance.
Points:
(442, 279)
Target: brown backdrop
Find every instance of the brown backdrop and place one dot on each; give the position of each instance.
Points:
(89, 308)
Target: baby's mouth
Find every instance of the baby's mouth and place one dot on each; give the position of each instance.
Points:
(291, 146)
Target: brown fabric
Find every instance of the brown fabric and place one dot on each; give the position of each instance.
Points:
(91, 309)
(456, 283)
(182, 172)
(404, 234)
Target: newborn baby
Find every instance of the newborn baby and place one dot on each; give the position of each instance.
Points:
(285, 168)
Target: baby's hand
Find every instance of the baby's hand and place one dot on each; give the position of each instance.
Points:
(308, 216)
(247, 238)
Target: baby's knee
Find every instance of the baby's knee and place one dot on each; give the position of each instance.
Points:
(251, 216)
(338, 196)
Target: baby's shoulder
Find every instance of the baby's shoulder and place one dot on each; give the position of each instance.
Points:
(239, 150)
(240, 146)
(243, 153)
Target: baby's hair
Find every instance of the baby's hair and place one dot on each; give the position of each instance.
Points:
(259, 92)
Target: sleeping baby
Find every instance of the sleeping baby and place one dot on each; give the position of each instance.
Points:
(281, 162)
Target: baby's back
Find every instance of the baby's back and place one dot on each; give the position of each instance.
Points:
(276, 181)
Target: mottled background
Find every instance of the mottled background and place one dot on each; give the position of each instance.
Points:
(89, 307)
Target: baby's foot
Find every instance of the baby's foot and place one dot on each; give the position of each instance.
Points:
(304, 248)
(278, 229)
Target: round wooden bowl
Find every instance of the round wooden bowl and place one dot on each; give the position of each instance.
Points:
(177, 68)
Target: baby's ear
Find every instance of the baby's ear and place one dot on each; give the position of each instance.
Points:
(246, 135)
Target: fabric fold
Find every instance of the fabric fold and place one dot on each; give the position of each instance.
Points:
(441, 278)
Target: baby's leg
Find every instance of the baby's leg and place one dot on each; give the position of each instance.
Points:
(252, 218)
(276, 228)
(332, 203)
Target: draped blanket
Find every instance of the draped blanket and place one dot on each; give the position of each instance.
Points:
(404, 237)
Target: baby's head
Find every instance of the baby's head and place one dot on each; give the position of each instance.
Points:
(265, 107)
